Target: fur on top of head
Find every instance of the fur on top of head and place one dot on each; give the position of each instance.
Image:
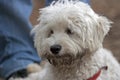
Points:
(90, 26)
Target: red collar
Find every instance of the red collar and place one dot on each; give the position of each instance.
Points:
(95, 76)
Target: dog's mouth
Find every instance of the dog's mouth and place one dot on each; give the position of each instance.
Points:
(63, 60)
(60, 60)
(66, 59)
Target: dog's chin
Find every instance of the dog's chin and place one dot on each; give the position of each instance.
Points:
(63, 60)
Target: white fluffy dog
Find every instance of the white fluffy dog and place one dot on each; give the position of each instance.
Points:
(70, 36)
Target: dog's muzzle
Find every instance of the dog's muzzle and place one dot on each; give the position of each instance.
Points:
(66, 59)
(60, 60)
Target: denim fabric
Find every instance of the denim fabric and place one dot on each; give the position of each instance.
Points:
(16, 45)
(49, 1)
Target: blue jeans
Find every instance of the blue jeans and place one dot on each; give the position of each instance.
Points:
(16, 44)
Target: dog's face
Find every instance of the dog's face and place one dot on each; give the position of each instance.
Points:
(66, 31)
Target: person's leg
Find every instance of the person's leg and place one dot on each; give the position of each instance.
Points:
(49, 1)
(16, 45)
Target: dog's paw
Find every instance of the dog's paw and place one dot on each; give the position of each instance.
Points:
(32, 68)
(28, 73)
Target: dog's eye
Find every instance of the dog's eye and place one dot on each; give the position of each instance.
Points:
(50, 33)
(68, 31)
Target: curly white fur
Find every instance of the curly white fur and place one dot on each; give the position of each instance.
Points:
(80, 32)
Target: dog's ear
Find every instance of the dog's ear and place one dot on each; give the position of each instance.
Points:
(104, 24)
(102, 28)
(33, 31)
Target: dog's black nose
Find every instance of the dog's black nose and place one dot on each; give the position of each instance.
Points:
(55, 49)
